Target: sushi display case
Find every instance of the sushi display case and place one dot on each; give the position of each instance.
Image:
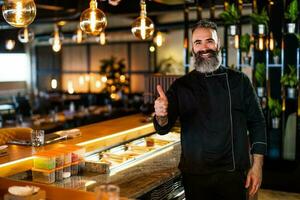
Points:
(114, 159)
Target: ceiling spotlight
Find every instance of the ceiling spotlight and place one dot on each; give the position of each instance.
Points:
(19, 13)
(25, 35)
(142, 27)
(93, 20)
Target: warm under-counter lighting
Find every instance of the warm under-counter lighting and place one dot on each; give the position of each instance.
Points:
(19, 13)
(10, 44)
(142, 27)
(140, 128)
(93, 20)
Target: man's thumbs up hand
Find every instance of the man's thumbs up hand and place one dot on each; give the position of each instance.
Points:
(161, 103)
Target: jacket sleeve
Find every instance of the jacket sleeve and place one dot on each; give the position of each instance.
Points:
(172, 111)
(255, 120)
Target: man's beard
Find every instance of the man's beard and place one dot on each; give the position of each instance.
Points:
(208, 64)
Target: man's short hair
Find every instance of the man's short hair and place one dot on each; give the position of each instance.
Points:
(204, 23)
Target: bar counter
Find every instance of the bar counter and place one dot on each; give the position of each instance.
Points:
(133, 182)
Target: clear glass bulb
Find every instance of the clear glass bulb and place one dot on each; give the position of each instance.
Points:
(56, 40)
(158, 39)
(142, 27)
(25, 35)
(19, 13)
(53, 83)
(102, 38)
(10, 44)
(93, 20)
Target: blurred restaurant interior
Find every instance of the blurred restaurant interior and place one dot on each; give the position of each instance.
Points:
(90, 68)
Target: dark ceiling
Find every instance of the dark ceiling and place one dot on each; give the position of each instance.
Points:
(56, 10)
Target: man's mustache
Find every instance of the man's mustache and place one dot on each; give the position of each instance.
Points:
(210, 51)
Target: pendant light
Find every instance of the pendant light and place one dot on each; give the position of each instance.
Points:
(102, 38)
(93, 20)
(25, 35)
(142, 27)
(78, 35)
(159, 39)
(10, 44)
(19, 13)
(53, 83)
(56, 40)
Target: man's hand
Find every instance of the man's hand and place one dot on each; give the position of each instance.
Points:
(254, 176)
(161, 107)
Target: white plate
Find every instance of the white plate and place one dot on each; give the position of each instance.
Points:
(23, 190)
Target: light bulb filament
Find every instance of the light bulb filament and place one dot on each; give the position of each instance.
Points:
(93, 21)
(19, 9)
(143, 28)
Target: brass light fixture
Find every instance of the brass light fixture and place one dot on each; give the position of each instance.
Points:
(25, 35)
(142, 27)
(19, 13)
(93, 20)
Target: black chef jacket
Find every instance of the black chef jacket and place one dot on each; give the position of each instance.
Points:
(215, 111)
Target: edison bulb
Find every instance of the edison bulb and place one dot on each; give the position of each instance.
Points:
(56, 40)
(142, 27)
(19, 13)
(53, 83)
(102, 38)
(93, 20)
(25, 35)
(10, 44)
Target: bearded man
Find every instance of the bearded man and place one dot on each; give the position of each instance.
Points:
(221, 124)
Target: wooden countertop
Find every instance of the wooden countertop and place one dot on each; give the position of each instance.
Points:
(93, 137)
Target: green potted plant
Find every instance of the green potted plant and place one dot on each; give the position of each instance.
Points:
(291, 15)
(245, 44)
(260, 20)
(231, 17)
(290, 81)
(116, 82)
(276, 54)
(275, 111)
(260, 76)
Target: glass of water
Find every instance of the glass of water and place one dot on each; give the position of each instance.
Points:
(37, 138)
(107, 192)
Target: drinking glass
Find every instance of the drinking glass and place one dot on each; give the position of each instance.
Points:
(37, 138)
(107, 192)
